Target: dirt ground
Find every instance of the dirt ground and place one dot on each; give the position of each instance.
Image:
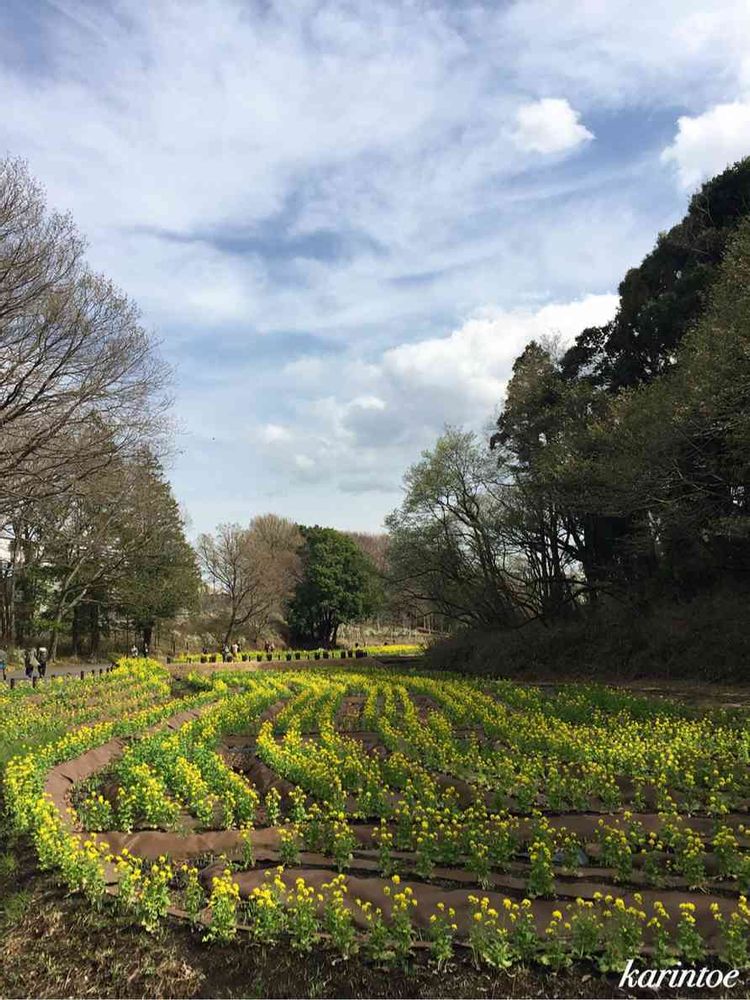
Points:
(56, 945)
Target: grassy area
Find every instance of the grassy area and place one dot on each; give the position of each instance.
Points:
(707, 638)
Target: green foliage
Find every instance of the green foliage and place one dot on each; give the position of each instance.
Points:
(162, 575)
(338, 585)
(623, 464)
(450, 535)
(661, 299)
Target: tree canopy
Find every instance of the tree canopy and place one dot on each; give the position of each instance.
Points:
(620, 468)
(338, 584)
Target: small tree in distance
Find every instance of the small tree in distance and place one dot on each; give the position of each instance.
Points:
(338, 585)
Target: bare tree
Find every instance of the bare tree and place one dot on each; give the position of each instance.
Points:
(80, 381)
(375, 546)
(253, 568)
(451, 545)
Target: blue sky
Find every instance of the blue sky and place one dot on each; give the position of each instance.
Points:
(344, 220)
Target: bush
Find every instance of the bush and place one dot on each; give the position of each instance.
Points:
(707, 638)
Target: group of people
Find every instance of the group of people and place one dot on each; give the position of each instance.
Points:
(34, 658)
(228, 652)
(143, 651)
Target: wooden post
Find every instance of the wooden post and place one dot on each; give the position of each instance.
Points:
(34, 681)
(82, 675)
(12, 683)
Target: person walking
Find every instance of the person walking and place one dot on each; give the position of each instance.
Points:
(134, 650)
(29, 662)
(4, 663)
(42, 657)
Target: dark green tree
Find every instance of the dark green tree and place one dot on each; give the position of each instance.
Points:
(661, 299)
(161, 576)
(338, 585)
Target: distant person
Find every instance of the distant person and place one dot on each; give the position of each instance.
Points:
(4, 663)
(267, 646)
(145, 649)
(134, 650)
(204, 650)
(234, 648)
(225, 653)
(42, 656)
(29, 662)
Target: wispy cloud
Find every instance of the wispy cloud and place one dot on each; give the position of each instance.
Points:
(343, 218)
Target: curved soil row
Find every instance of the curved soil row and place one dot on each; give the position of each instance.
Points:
(365, 883)
(371, 890)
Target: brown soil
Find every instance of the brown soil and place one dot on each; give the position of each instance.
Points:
(449, 885)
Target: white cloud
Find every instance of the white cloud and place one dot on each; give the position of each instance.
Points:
(549, 126)
(626, 53)
(462, 377)
(200, 145)
(368, 403)
(707, 143)
(355, 436)
(274, 433)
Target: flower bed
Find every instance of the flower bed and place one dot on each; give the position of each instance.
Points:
(261, 656)
(384, 812)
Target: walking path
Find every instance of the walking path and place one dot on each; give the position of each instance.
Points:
(66, 670)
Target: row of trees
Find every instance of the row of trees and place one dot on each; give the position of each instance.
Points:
(620, 468)
(92, 542)
(92, 537)
(274, 575)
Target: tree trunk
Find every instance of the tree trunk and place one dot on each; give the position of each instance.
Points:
(76, 629)
(94, 628)
(54, 632)
(53, 637)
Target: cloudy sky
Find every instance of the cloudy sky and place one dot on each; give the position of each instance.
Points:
(345, 219)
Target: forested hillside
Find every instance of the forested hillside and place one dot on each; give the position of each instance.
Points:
(608, 527)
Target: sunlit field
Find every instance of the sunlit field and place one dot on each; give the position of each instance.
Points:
(352, 809)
